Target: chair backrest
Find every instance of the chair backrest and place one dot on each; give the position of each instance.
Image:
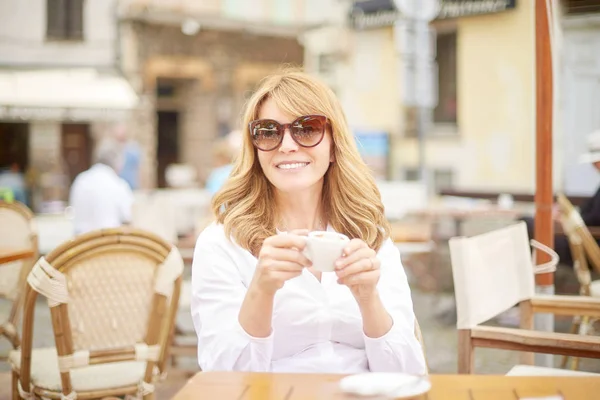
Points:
(113, 296)
(53, 230)
(580, 264)
(492, 272)
(17, 229)
(574, 224)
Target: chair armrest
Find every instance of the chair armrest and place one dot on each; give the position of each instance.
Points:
(16, 255)
(566, 305)
(594, 231)
(535, 341)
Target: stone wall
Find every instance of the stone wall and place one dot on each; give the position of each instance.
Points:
(197, 129)
(142, 128)
(213, 99)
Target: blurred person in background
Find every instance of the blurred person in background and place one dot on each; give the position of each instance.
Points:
(257, 302)
(223, 154)
(589, 211)
(132, 155)
(99, 197)
(13, 180)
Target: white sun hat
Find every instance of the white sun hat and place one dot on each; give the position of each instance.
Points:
(593, 148)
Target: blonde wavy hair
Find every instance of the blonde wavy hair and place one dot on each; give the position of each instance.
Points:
(351, 200)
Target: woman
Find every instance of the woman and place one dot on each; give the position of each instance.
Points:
(257, 303)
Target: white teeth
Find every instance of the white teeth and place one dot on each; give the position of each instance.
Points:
(292, 166)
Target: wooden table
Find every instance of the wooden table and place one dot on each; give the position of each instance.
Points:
(250, 386)
(464, 212)
(8, 254)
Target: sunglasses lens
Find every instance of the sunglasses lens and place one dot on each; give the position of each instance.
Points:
(266, 135)
(308, 131)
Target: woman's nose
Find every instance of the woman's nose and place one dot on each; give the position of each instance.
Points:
(288, 144)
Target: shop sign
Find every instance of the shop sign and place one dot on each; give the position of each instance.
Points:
(465, 8)
(362, 17)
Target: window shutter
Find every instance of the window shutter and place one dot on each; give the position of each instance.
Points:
(56, 19)
(582, 6)
(75, 19)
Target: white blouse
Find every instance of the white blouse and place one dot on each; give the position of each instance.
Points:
(316, 326)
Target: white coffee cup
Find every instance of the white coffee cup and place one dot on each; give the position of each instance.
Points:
(324, 248)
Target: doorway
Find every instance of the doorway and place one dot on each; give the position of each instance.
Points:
(76, 149)
(14, 160)
(580, 105)
(14, 145)
(167, 150)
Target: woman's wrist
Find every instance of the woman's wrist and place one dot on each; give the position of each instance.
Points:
(368, 300)
(257, 290)
(256, 312)
(376, 320)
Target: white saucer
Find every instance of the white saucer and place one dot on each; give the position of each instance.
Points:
(393, 385)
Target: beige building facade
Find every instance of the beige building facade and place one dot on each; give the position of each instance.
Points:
(483, 132)
(59, 91)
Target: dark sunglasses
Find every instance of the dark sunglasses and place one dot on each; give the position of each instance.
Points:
(307, 131)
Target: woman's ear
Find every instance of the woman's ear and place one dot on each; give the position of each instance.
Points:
(332, 156)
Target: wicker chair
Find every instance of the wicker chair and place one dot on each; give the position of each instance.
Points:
(583, 247)
(113, 298)
(573, 223)
(17, 229)
(185, 341)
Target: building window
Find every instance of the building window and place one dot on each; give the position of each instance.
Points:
(443, 179)
(326, 63)
(582, 6)
(64, 19)
(411, 174)
(445, 112)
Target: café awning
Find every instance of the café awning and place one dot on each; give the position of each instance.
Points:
(49, 93)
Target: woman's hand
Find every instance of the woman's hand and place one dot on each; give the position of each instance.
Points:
(279, 260)
(359, 269)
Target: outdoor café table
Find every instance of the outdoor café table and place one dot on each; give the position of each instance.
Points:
(8, 254)
(267, 386)
(487, 211)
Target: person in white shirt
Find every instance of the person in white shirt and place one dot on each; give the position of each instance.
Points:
(99, 197)
(257, 303)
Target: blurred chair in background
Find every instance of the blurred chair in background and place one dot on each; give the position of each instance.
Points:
(181, 176)
(401, 197)
(17, 230)
(582, 245)
(113, 297)
(412, 235)
(574, 222)
(54, 229)
(154, 212)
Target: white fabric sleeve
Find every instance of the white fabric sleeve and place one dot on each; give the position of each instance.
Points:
(398, 350)
(217, 296)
